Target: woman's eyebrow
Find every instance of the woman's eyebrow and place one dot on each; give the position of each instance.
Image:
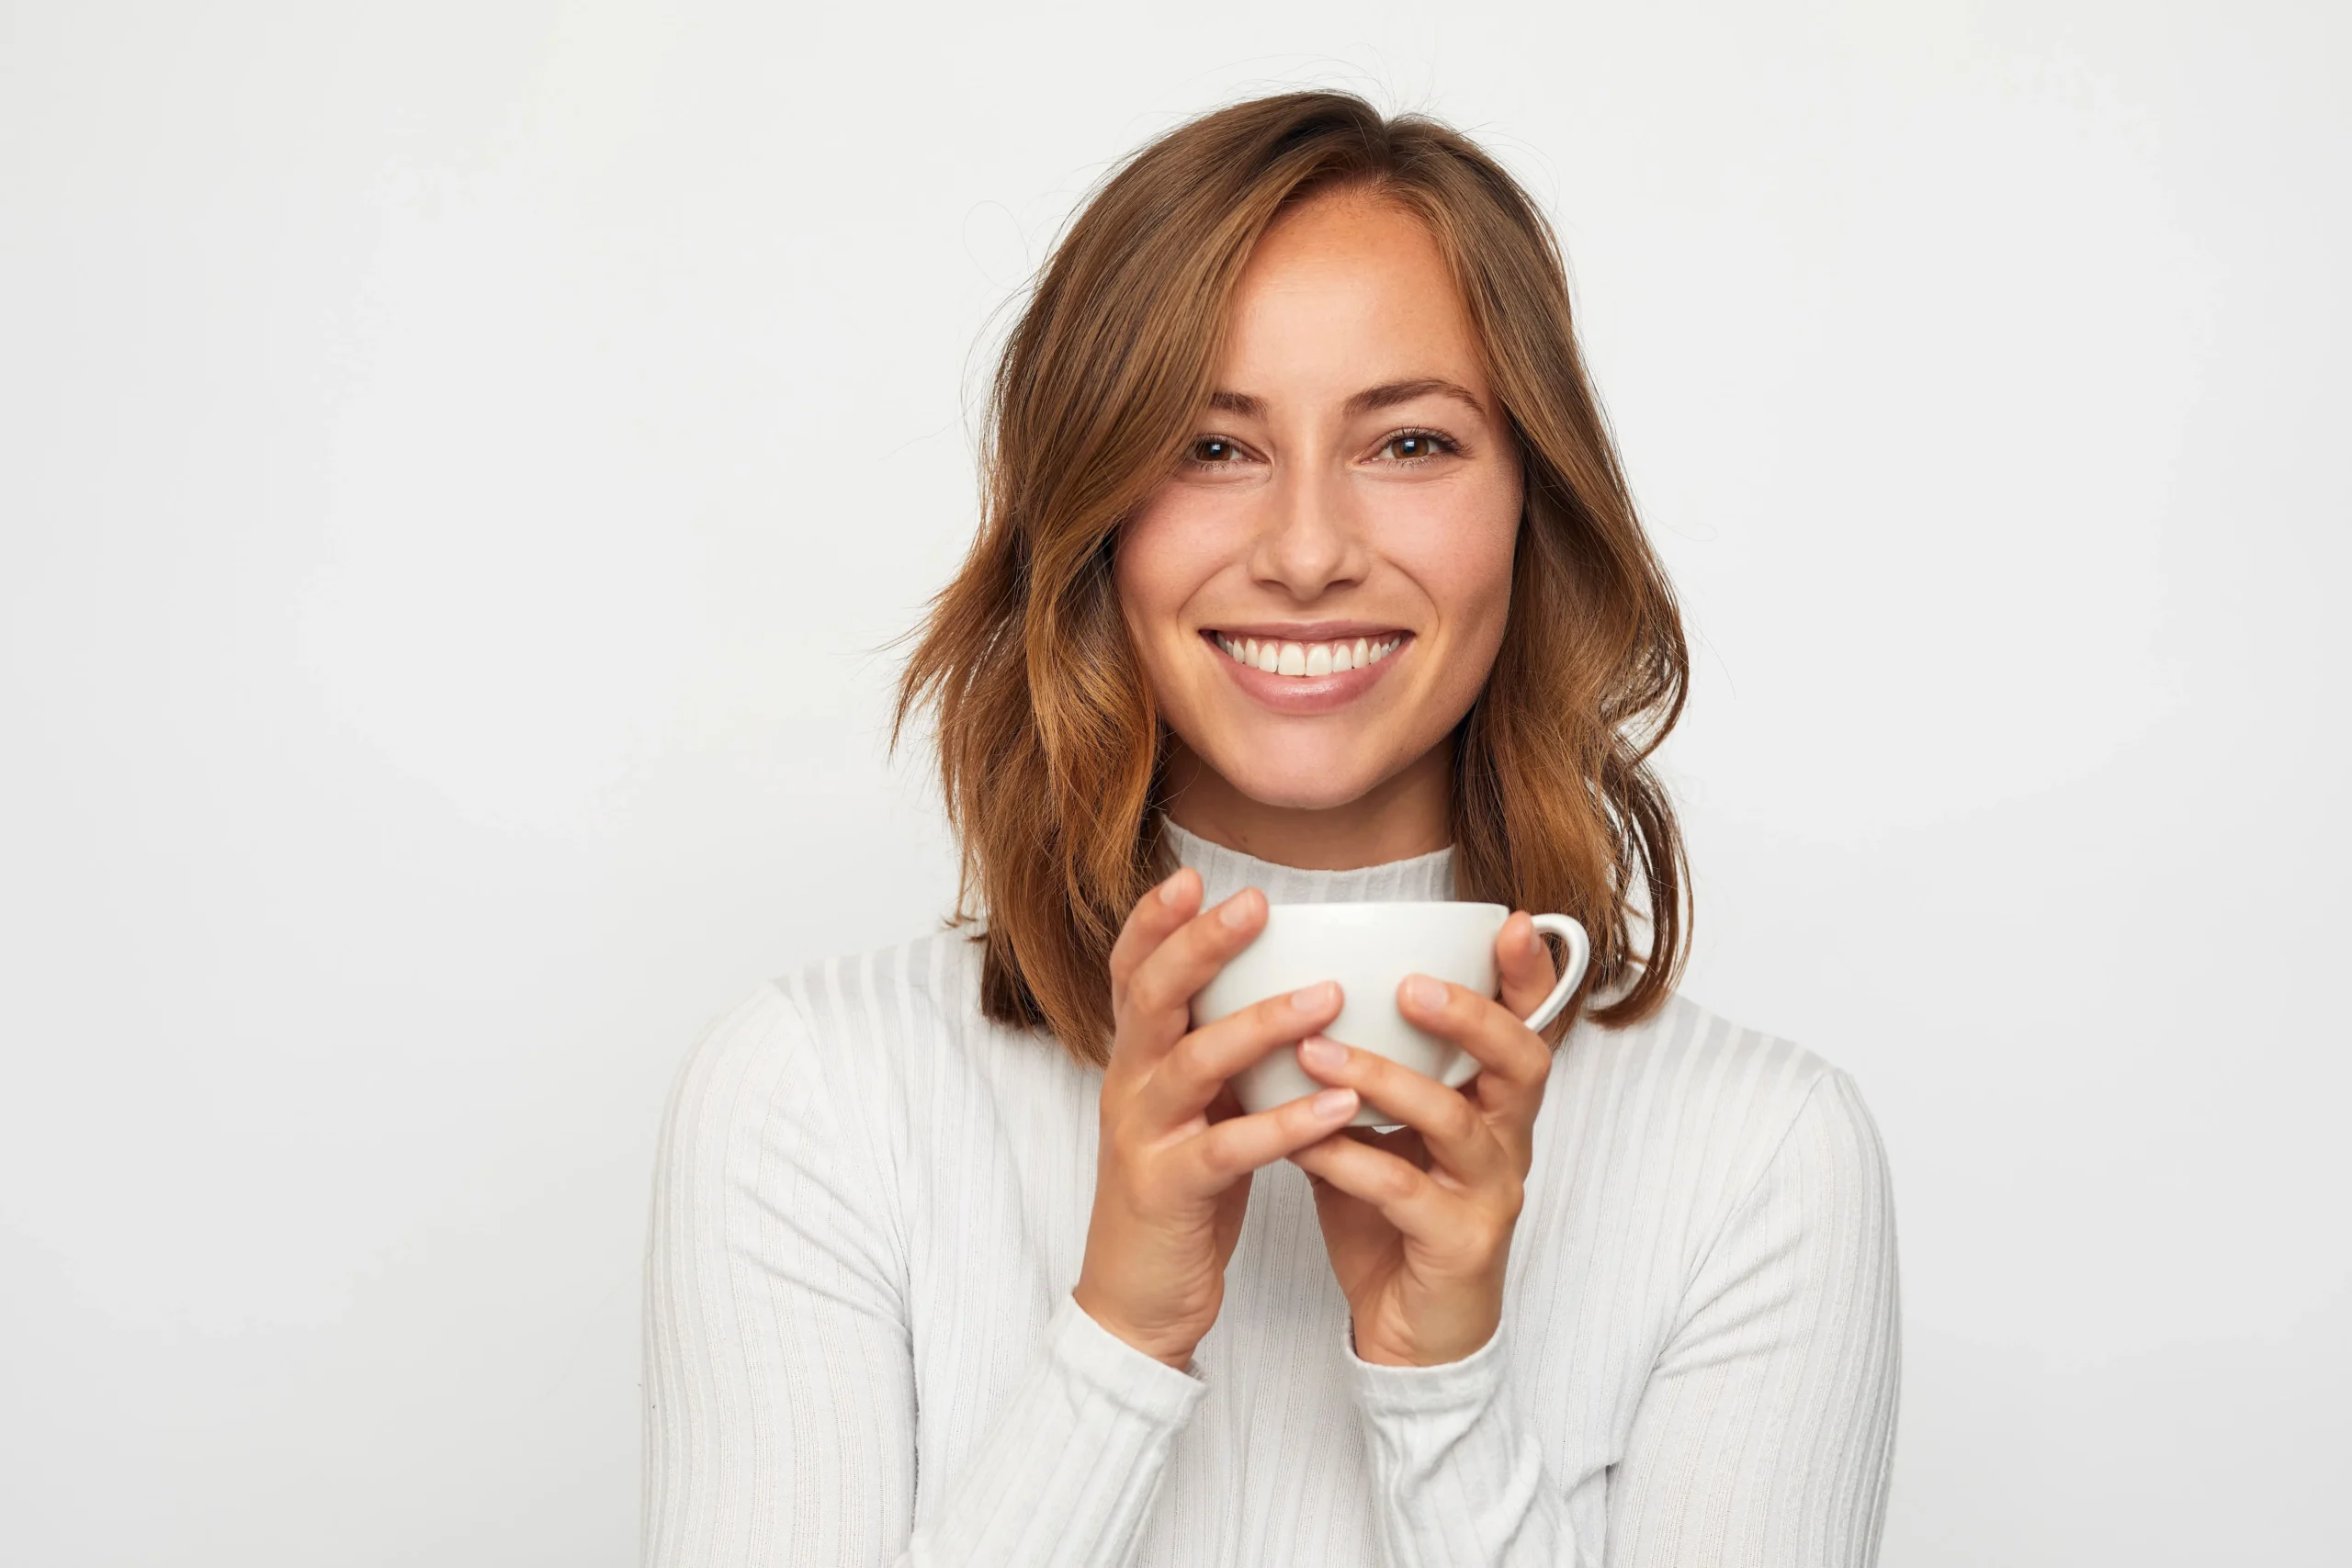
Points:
(1388, 394)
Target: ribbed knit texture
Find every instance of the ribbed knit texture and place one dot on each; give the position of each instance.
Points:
(861, 1349)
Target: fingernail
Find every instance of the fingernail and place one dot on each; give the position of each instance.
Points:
(1236, 913)
(1424, 992)
(1317, 1052)
(1333, 1104)
(1316, 997)
(1173, 890)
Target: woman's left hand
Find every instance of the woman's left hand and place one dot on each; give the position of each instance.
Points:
(1418, 1221)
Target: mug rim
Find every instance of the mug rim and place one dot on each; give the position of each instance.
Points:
(1372, 905)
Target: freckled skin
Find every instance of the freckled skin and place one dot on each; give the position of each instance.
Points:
(1299, 509)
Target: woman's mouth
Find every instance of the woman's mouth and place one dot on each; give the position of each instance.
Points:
(1303, 675)
(1275, 656)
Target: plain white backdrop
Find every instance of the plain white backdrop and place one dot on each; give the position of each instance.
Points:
(461, 466)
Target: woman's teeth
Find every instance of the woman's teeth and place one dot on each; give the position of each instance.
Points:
(1308, 657)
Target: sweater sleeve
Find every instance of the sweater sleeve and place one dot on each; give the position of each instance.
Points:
(1458, 1475)
(780, 1395)
(1764, 1434)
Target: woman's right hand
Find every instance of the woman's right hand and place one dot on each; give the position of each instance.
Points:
(1172, 1174)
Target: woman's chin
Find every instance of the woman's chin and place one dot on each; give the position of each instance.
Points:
(1298, 785)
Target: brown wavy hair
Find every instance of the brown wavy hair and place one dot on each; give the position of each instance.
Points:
(1050, 750)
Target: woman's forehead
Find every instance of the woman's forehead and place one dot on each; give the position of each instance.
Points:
(1344, 293)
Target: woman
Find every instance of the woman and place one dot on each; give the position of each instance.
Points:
(1307, 573)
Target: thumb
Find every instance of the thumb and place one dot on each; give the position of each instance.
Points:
(1523, 963)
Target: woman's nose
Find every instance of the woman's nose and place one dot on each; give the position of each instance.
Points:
(1310, 541)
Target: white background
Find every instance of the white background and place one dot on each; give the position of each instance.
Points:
(461, 466)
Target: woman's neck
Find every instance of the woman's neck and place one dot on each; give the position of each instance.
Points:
(1406, 814)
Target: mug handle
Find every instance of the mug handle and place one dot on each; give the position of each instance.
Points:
(1571, 975)
(1465, 1066)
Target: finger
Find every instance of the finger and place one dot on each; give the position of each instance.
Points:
(1228, 1150)
(1185, 1080)
(1525, 964)
(1156, 1009)
(1155, 915)
(1454, 1129)
(1409, 1199)
(1513, 1060)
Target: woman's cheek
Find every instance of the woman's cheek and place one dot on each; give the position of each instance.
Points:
(1159, 566)
(1495, 527)
(1459, 553)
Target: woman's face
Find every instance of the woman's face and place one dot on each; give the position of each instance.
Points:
(1319, 592)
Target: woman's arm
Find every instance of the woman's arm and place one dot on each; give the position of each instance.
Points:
(1767, 1431)
(780, 1401)
(1764, 1434)
(1457, 1472)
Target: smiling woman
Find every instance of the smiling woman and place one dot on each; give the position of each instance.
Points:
(1307, 574)
(1282, 362)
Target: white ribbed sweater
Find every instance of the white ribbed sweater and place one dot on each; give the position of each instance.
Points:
(861, 1349)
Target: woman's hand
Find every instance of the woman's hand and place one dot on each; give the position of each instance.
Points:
(1418, 1221)
(1172, 1175)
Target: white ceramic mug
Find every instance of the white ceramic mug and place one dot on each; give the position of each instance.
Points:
(1369, 949)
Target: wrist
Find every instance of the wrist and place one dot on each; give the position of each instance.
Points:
(1170, 1350)
(1459, 1343)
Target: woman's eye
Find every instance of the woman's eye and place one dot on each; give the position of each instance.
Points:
(1413, 446)
(1215, 449)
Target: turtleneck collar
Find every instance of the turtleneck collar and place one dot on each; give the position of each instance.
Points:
(1423, 879)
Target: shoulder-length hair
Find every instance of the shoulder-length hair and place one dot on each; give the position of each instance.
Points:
(1050, 750)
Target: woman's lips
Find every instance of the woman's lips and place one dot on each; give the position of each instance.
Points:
(1327, 690)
